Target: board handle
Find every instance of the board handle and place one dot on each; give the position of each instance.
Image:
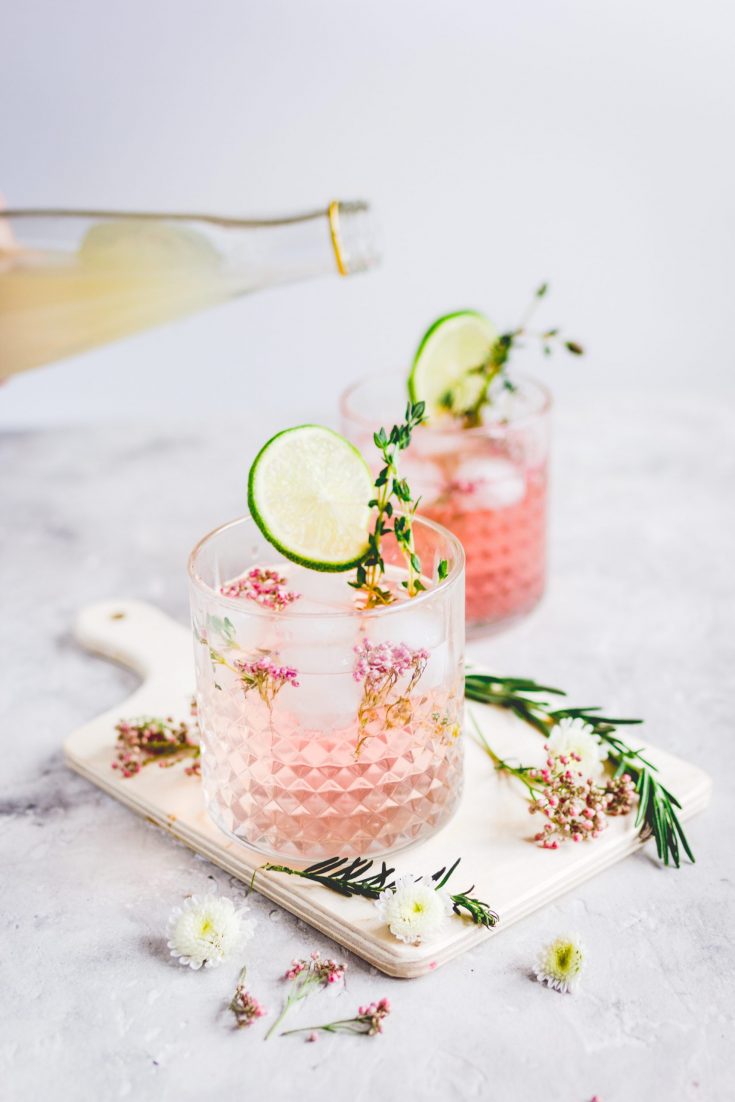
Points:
(137, 635)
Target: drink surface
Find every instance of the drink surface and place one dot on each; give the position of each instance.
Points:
(345, 740)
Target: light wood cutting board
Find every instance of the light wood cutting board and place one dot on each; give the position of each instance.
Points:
(491, 832)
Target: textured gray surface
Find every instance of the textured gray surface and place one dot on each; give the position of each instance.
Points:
(638, 617)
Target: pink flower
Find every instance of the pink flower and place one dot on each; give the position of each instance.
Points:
(376, 661)
(265, 587)
(142, 741)
(245, 1006)
(306, 976)
(574, 806)
(372, 1016)
(266, 677)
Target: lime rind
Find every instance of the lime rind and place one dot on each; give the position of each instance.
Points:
(274, 522)
(452, 345)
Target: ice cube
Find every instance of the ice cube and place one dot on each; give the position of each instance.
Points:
(490, 482)
(422, 626)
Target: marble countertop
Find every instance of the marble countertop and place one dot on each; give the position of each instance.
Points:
(638, 617)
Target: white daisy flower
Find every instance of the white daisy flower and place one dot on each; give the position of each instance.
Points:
(206, 929)
(560, 964)
(574, 736)
(414, 910)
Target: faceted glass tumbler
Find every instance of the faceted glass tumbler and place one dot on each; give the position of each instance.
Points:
(328, 730)
(488, 485)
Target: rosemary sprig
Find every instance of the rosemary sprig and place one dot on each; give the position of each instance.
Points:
(657, 807)
(495, 363)
(393, 501)
(354, 876)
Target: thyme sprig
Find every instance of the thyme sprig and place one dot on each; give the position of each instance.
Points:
(393, 502)
(495, 363)
(657, 807)
(355, 876)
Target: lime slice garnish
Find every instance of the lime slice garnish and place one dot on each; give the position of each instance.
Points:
(308, 492)
(450, 347)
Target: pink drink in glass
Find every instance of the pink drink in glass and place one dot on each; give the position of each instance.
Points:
(487, 485)
(326, 729)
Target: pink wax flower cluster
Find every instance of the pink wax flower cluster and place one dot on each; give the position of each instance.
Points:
(372, 1015)
(380, 666)
(142, 741)
(315, 971)
(573, 805)
(265, 587)
(376, 661)
(245, 1007)
(306, 976)
(266, 677)
(368, 1020)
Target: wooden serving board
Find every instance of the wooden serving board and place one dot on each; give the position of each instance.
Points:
(492, 830)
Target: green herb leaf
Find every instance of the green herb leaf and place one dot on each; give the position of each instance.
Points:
(657, 806)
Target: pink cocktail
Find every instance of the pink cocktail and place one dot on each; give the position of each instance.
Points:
(488, 485)
(327, 729)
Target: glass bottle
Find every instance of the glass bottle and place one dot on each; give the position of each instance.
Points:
(72, 280)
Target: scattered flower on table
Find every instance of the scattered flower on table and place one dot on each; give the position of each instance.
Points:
(206, 930)
(559, 964)
(368, 1020)
(414, 910)
(306, 976)
(150, 738)
(574, 737)
(574, 806)
(245, 1006)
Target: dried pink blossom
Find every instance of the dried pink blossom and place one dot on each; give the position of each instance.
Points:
(142, 741)
(245, 1006)
(380, 666)
(574, 806)
(266, 587)
(266, 677)
(376, 661)
(307, 976)
(315, 971)
(368, 1020)
(372, 1016)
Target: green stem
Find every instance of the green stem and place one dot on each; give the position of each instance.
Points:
(501, 764)
(330, 1027)
(286, 1007)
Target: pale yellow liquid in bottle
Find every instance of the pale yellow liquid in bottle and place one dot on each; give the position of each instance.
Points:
(125, 277)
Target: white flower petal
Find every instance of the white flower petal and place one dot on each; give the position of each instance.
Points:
(559, 964)
(414, 911)
(574, 736)
(207, 930)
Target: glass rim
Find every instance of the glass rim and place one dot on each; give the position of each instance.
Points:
(252, 609)
(492, 428)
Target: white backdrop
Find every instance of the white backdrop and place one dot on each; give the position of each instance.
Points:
(590, 144)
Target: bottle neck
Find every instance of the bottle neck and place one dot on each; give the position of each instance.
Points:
(339, 239)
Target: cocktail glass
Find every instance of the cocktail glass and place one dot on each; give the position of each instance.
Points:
(488, 485)
(326, 729)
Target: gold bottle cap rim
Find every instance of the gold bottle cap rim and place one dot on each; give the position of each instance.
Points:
(335, 234)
